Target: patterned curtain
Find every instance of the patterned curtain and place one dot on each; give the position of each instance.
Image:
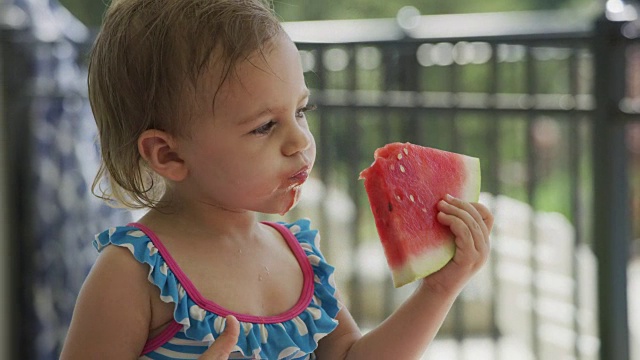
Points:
(54, 158)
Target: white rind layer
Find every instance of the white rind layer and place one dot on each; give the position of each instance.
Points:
(422, 265)
(471, 190)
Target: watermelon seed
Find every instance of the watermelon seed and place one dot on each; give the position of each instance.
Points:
(412, 199)
(406, 152)
(400, 156)
(401, 168)
(424, 210)
(390, 207)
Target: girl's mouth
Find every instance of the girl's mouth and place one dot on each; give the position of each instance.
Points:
(295, 184)
(300, 177)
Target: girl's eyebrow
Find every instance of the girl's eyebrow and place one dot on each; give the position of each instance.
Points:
(305, 94)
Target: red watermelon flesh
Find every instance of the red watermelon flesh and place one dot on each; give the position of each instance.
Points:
(404, 185)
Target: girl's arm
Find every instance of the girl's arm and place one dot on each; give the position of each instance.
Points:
(113, 312)
(411, 328)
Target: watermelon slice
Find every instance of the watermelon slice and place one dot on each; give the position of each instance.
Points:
(404, 185)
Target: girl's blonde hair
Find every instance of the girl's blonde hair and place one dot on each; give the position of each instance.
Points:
(145, 56)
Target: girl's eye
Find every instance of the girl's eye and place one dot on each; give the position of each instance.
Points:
(301, 111)
(267, 127)
(264, 129)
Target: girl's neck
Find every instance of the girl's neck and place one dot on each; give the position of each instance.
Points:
(201, 221)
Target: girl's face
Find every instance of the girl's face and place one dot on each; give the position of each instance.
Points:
(255, 150)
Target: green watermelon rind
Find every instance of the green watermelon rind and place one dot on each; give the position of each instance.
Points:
(422, 265)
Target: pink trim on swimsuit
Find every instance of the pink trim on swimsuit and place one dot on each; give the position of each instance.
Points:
(303, 301)
(162, 338)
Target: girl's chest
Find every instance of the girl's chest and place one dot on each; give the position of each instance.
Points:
(251, 285)
(257, 284)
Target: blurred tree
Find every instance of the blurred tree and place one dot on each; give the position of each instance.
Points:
(352, 9)
(90, 12)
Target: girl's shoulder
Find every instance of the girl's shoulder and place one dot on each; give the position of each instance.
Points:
(112, 306)
(129, 237)
(115, 262)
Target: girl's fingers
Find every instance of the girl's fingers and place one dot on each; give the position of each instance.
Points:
(224, 344)
(470, 222)
(457, 225)
(472, 209)
(487, 216)
(465, 248)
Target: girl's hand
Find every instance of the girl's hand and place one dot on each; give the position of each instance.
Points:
(223, 346)
(471, 223)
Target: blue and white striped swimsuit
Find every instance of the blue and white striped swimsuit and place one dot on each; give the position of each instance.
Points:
(198, 321)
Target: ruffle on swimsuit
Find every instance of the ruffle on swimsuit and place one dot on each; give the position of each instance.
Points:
(291, 335)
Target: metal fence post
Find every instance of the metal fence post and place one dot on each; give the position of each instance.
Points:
(6, 284)
(611, 215)
(16, 72)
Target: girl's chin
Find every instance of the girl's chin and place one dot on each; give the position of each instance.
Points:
(280, 202)
(293, 196)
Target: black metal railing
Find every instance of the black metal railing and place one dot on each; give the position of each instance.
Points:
(544, 99)
(536, 96)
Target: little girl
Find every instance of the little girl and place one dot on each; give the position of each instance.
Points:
(200, 106)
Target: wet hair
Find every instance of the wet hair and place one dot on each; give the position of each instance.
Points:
(144, 69)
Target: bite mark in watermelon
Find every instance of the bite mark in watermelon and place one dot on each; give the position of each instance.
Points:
(404, 185)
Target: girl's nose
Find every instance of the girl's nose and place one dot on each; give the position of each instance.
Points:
(298, 138)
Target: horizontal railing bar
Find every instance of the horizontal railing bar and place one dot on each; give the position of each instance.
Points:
(543, 26)
(566, 41)
(447, 101)
(461, 110)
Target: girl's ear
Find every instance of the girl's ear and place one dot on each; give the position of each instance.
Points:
(159, 150)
